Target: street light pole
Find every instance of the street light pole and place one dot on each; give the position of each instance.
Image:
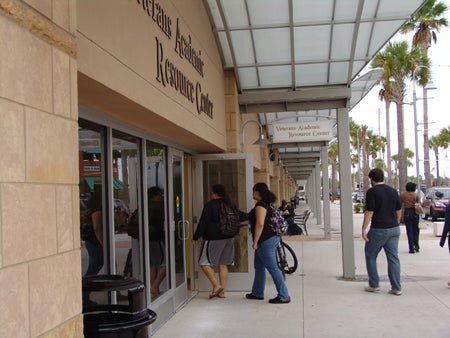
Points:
(415, 120)
(415, 128)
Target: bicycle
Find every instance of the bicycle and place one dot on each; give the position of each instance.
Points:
(286, 258)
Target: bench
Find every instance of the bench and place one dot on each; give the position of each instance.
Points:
(301, 219)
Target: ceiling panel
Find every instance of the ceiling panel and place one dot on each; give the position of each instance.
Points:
(278, 51)
(312, 11)
(320, 48)
(263, 12)
(277, 76)
(312, 43)
(246, 55)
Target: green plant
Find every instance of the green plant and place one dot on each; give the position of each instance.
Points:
(358, 207)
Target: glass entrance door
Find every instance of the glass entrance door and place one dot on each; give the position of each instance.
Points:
(178, 226)
(235, 172)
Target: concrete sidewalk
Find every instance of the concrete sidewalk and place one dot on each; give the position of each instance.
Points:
(325, 305)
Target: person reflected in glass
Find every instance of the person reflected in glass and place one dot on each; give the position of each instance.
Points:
(156, 239)
(265, 242)
(94, 238)
(94, 242)
(411, 219)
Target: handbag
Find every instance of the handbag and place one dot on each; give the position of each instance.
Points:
(418, 208)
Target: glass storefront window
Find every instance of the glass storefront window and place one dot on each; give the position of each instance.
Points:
(157, 220)
(126, 180)
(91, 184)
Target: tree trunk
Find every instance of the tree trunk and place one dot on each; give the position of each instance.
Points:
(365, 164)
(402, 168)
(388, 146)
(437, 167)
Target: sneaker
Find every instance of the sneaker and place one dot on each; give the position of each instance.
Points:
(279, 300)
(395, 292)
(252, 296)
(371, 289)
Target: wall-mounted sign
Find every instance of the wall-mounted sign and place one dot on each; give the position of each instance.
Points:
(169, 72)
(303, 132)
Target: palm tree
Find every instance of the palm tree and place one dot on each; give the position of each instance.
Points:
(398, 63)
(355, 143)
(365, 163)
(375, 144)
(442, 140)
(445, 134)
(426, 23)
(385, 95)
(395, 172)
(333, 152)
(379, 163)
(434, 144)
(409, 154)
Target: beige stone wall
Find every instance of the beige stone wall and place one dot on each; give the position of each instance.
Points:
(40, 268)
(123, 52)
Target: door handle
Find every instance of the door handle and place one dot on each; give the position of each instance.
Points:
(183, 230)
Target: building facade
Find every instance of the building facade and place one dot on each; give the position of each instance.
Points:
(127, 102)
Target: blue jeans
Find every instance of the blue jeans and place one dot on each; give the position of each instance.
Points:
(95, 264)
(95, 253)
(265, 258)
(412, 228)
(386, 239)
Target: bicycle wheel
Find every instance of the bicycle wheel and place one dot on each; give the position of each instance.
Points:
(281, 259)
(290, 259)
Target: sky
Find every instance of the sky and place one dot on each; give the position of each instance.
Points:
(371, 111)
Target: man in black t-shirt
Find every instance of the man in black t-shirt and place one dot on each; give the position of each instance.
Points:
(383, 212)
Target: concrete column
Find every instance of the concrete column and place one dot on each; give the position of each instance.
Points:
(309, 189)
(348, 247)
(312, 197)
(318, 194)
(326, 194)
(232, 113)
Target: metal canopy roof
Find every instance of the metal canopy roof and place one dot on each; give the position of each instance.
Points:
(300, 60)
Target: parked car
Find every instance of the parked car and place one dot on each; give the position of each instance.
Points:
(435, 201)
(358, 197)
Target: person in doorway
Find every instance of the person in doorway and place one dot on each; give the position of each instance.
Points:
(383, 212)
(265, 241)
(217, 250)
(156, 239)
(446, 231)
(411, 219)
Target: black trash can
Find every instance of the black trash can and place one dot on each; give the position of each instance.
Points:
(117, 320)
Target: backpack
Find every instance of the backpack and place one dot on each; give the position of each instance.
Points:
(229, 223)
(277, 223)
(86, 226)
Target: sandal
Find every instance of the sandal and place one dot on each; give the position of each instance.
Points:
(216, 293)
